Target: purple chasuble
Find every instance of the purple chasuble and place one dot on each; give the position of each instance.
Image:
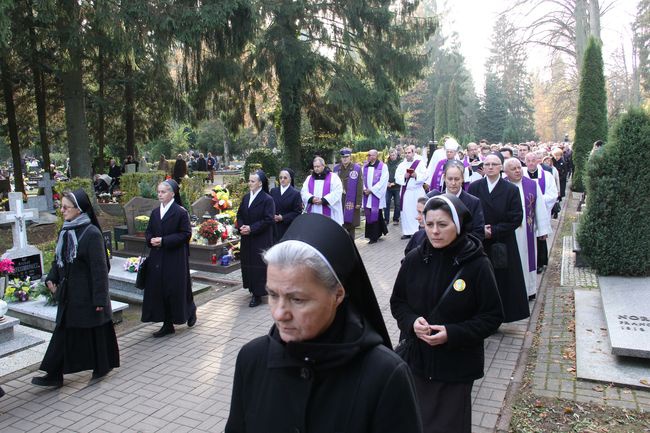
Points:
(530, 197)
(372, 216)
(413, 166)
(436, 179)
(350, 192)
(326, 190)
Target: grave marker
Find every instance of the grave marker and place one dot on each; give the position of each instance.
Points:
(47, 183)
(28, 258)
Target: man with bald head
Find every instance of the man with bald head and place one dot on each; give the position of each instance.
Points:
(322, 192)
(549, 191)
(375, 182)
(503, 214)
(535, 225)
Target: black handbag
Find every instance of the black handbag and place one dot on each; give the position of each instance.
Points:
(406, 346)
(499, 255)
(141, 278)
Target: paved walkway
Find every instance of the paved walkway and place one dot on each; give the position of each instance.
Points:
(183, 382)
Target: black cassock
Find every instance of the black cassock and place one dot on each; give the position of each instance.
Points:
(259, 216)
(289, 205)
(502, 210)
(168, 285)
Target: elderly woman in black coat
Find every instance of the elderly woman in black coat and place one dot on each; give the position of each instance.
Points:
(84, 336)
(326, 365)
(255, 223)
(446, 302)
(168, 288)
(288, 203)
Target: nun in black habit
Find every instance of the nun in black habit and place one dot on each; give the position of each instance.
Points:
(326, 364)
(255, 221)
(168, 289)
(84, 336)
(446, 302)
(288, 203)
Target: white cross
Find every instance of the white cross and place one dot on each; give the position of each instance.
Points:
(18, 217)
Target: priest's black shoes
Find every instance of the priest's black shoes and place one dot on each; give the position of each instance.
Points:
(98, 375)
(48, 380)
(165, 330)
(255, 301)
(405, 237)
(192, 320)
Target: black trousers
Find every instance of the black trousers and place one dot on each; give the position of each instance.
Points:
(376, 229)
(542, 253)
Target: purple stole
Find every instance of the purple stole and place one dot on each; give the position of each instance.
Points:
(326, 190)
(436, 179)
(530, 196)
(413, 166)
(350, 192)
(373, 215)
(542, 179)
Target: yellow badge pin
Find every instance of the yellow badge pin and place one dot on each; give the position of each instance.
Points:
(459, 285)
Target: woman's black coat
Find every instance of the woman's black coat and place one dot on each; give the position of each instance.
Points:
(83, 284)
(259, 216)
(469, 315)
(289, 205)
(502, 210)
(168, 270)
(353, 384)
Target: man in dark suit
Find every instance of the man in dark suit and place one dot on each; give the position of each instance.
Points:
(503, 213)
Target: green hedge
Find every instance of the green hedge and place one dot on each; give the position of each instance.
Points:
(265, 158)
(192, 188)
(131, 184)
(614, 232)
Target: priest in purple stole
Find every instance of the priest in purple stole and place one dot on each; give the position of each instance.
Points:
(350, 175)
(375, 182)
(535, 224)
(321, 192)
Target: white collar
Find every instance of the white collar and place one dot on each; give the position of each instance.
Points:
(165, 208)
(283, 189)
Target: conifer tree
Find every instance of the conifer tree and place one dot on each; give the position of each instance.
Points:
(591, 122)
(441, 114)
(453, 110)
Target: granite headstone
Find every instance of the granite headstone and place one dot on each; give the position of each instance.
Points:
(138, 206)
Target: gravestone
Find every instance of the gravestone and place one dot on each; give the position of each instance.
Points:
(28, 260)
(39, 315)
(626, 304)
(202, 205)
(129, 168)
(272, 182)
(38, 202)
(47, 183)
(138, 206)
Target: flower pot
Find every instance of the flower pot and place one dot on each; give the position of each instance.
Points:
(212, 241)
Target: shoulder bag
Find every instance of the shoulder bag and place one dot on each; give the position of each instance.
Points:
(141, 278)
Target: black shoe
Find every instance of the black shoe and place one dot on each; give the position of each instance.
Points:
(97, 375)
(255, 301)
(2, 392)
(192, 320)
(540, 269)
(48, 380)
(395, 223)
(165, 330)
(532, 297)
(406, 237)
(372, 241)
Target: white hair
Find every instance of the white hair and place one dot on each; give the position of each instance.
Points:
(297, 254)
(511, 161)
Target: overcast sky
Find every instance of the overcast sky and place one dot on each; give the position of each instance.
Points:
(474, 21)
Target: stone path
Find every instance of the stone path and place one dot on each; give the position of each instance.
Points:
(183, 382)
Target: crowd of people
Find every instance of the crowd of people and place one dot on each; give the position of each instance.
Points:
(476, 221)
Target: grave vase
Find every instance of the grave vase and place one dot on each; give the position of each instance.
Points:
(3, 285)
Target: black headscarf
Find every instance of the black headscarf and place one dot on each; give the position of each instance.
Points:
(176, 190)
(336, 246)
(292, 175)
(461, 216)
(265, 181)
(85, 206)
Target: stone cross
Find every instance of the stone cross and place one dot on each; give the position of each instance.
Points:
(46, 183)
(18, 217)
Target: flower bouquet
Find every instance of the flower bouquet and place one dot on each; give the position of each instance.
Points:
(104, 197)
(221, 198)
(132, 264)
(141, 222)
(22, 290)
(213, 231)
(45, 292)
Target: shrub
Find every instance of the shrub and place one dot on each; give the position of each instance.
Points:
(269, 161)
(615, 230)
(131, 184)
(192, 188)
(591, 122)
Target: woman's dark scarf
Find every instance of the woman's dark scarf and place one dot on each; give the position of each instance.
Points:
(292, 174)
(265, 181)
(176, 190)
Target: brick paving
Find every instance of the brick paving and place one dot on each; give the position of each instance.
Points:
(183, 382)
(554, 371)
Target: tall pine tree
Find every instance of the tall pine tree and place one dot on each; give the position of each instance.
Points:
(591, 123)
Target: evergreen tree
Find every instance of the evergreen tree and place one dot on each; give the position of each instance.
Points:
(440, 124)
(453, 110)
(591, 122)
(615, 220)
(494, 114)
